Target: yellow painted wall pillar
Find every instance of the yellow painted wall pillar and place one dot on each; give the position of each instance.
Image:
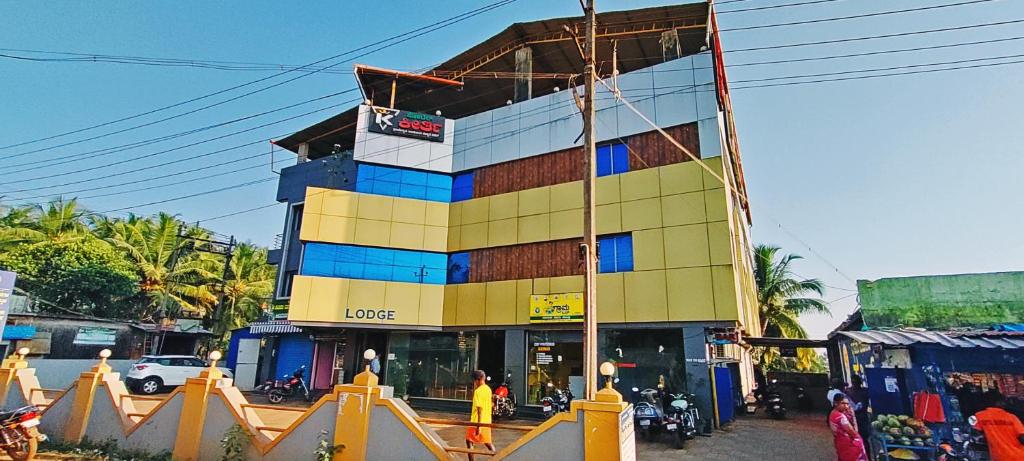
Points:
(352, 426)
(193, 411)
(85, 391)
(9, 370)
(608, 427)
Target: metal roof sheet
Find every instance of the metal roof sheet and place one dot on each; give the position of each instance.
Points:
(903, 337)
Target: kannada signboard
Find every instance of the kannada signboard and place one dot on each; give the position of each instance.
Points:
(407, 124)
(96, 336)
(556, 308)
(6, 290)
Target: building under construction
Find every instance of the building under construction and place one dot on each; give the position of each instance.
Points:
(439, 223)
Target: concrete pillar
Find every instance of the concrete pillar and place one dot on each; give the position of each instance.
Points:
(698, 373)
(524, 74)
(8, 371)
(607, 427)
(193, 411)
(670, 45)
(85, 391)
(352, 426)
(303, 153)
(515, 362)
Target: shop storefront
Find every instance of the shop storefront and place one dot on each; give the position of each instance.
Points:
(432, 365)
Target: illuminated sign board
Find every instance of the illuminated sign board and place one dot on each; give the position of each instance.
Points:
(556, 308)
(406, 124)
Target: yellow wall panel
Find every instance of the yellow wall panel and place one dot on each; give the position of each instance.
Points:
(686, 246)
(542, 286)
(566, 224)
(724, 283)
(524, 290)
(408, 236)
(455, 214)
(436, 214)
(373, 233)
(473, 236)
(714, 200)
(451, 303)
(470, 310)
(504, 206)
(336, 229)
(327, 299)
(567, 196)
(681, 177)
(455, 238)
(609, 219)
(607, 189)
(310, 228)
(501, 303)
(431, 304)
(611, 298)
(404, 299)
(645, 296)
(375, 207)
(502, 232)
(534, 201)
(690, 294)
(720, 243)
(298, 305)
(535, 228)
(715, 163)
(566, 284)
(475, 210)
(435, 238)
(648, 250)
(681, 209)
(410, 211)
(340, 203)
(366, 294)
(639, 184)
(641, 214)
(313, 203)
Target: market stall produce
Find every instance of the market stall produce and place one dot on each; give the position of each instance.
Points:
(901, 437)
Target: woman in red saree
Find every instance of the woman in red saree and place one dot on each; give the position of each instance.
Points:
(849, 444)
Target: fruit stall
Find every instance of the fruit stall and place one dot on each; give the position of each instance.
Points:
(902, 437)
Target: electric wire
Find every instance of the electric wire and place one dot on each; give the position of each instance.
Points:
(855, 16)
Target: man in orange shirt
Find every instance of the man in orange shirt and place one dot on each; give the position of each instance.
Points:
(1003, 432)
(481, 413)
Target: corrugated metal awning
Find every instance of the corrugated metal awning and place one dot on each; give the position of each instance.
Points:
(273, 327)
(904, 337)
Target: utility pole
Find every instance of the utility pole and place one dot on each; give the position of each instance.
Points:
(589, 205)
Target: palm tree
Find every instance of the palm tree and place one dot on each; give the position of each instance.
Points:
(781, 298)
(247, 289)
(58, 220)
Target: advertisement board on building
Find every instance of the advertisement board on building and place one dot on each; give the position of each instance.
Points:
(406, 124)
(6, 290)
(95, 336)
(556, 308)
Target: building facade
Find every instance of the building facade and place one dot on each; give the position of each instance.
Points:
(440, 223)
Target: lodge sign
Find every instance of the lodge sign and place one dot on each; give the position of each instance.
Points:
(383, 315)
(406, 124)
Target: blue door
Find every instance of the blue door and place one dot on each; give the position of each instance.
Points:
(723, 390)
(293, 351)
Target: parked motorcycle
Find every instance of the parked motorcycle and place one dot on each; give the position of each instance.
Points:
(278, 390)
(803, 399)
(504, 401)
(648, 413)
(773, 401)
(19, 435)
(681, 418)
(556, 403)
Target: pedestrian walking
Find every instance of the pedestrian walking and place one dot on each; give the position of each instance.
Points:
(848, 443)
(481, 413)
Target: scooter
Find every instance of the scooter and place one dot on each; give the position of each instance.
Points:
(19, 436)
(681, 418)
(556, 403)
(773, 402)
(279, 390)
(505, 403)
(804, 400)
(648, 414)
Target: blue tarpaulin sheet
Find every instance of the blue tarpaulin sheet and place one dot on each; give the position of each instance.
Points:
(1009, 327)
(19, 332)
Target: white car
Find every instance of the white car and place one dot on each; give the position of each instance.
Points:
(155, 372)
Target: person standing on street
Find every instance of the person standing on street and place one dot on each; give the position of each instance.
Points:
(849, 445)
(858, 396)
(481, 413)
(1003, 432)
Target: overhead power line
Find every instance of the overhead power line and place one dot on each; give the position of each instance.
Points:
(855, 16)
(772, 7)
(407, 36)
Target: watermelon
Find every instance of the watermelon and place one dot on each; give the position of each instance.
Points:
(894, 431)
(882, 418)
(908, 431)
(903, 418)
(893, 422)
(877, 425)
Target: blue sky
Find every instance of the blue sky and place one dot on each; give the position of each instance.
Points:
(867, 178)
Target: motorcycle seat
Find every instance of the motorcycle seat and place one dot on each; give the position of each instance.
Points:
(9, 414)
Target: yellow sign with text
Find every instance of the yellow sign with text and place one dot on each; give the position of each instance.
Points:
(556, 308)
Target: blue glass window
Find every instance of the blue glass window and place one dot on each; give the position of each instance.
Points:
(462, 187)
(615, 253)
(458, 268)
(612, 159)
(400, 182)
(366, 263)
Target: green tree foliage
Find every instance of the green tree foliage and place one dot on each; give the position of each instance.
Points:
(82, 275)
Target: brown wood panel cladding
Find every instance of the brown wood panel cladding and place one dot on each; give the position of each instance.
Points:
(648, 150)
(531, 260)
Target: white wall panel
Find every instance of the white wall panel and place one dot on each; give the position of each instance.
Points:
(505, 133)
(638, 88)
(703, 68)
(535, 134)
(710, 137)
(402, 151)
(675, 102)
(707, 101)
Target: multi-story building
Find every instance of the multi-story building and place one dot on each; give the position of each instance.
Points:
(439, 223)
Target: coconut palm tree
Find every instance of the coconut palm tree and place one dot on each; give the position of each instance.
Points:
(58, 220)
(781, 297)
(249, 285)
